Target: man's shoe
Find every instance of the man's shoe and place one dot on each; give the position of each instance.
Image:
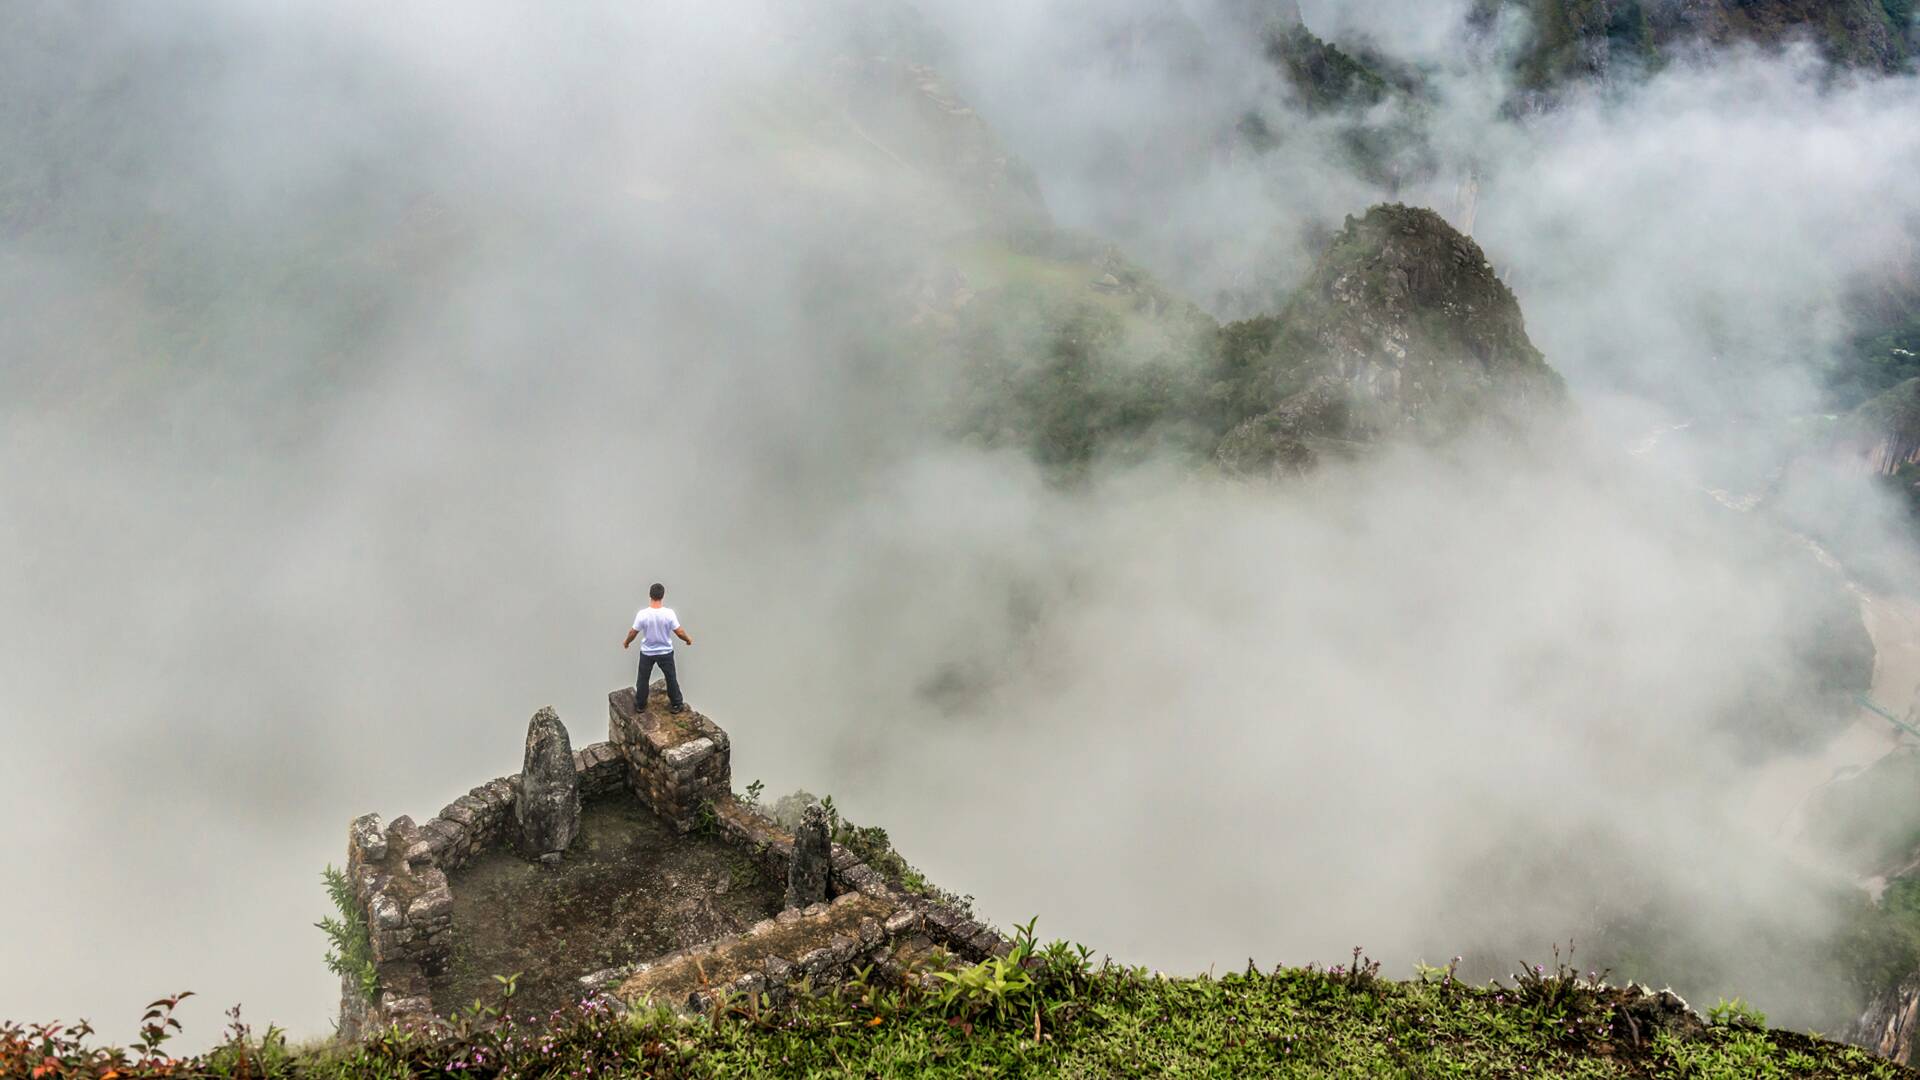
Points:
(680, 708)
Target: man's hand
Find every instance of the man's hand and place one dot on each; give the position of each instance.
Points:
(631, 634)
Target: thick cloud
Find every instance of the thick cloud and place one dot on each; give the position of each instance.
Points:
(371, 363)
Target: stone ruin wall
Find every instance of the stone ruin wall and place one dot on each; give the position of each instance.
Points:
(680, 768)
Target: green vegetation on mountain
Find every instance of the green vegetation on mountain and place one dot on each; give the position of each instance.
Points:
(1377, 107)
(1892, 417)
(1879, 358)
(1574, 39)
(1325, 77)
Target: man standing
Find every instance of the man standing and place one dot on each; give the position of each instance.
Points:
(653, 626)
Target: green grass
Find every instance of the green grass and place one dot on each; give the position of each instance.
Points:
(1056, 1016)
(992, 265)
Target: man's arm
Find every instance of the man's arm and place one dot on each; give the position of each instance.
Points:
(631, 634)
(682, 634)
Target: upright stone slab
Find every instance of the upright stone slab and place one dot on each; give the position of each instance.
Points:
(812, 858)
(548, 810)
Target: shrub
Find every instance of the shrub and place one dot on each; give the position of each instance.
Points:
(350, 945)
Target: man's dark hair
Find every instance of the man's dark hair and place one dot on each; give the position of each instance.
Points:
(658, 592)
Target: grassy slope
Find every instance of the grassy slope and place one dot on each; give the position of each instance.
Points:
(1289, 1023)
(1070, 1022)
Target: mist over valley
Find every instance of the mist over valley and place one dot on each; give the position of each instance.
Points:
(1232, 480)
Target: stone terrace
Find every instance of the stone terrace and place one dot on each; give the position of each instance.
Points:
(679, 767)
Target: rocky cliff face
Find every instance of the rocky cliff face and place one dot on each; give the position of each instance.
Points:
(1886, 430)
(1891, 1023)
(1402, 330)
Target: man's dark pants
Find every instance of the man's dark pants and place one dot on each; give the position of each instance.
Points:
(646, 676)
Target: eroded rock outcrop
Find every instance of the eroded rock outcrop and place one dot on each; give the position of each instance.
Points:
(1889, 1025)
(548, 810)
(1402, 330)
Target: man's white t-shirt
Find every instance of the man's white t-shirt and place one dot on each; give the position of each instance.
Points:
(656, 626)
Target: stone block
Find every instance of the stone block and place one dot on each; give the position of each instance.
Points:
(904, 921)
(816, 962)
(430, 906)
(603, 980)
(654, 738)
(391, 944)
(779, 970)
(366, 839)
(407, 1008)
(443, 836)
(866, 879)
(943, 919)
(841, 949)
(402, 833)
(386, 913)
(403, 979)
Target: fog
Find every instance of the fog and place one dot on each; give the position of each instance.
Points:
(361, 367)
